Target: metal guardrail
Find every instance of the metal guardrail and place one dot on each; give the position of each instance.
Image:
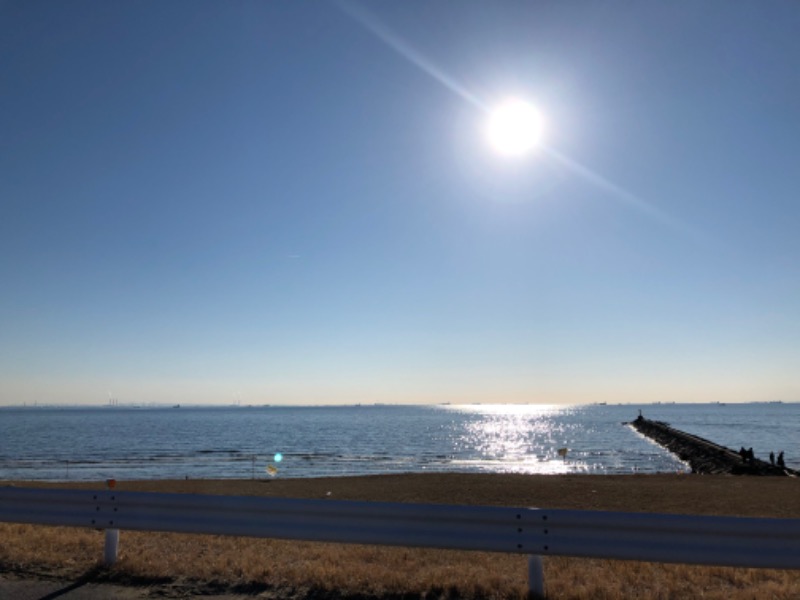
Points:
(702, 540)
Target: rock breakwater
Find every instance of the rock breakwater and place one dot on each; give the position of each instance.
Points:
(704, 456)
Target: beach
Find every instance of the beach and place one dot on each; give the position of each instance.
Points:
(682, 494)
(286, 569)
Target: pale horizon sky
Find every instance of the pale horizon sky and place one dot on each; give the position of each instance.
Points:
(295, 203)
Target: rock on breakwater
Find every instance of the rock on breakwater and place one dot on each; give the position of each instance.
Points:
(704, 456)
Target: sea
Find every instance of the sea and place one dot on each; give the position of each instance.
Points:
(129, 443)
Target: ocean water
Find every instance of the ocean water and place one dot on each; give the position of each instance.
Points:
(161, 443)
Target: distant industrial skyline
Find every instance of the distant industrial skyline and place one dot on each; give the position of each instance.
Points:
(297, 203)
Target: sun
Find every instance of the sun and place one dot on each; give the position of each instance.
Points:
(514, 128)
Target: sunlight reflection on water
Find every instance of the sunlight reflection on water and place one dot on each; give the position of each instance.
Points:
(518, 439)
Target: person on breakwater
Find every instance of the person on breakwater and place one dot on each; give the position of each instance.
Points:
(772, 458)
(781, 463)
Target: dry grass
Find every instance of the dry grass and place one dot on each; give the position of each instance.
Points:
(295, 569)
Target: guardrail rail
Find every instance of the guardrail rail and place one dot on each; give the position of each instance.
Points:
(536, 532)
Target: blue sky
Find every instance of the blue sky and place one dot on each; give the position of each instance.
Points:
(294, 202)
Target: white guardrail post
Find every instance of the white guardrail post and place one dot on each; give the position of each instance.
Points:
(669, 538)
(112, 535)
(110, 549)
(535, 577)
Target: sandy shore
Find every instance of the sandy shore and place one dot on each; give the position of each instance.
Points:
(688, 494)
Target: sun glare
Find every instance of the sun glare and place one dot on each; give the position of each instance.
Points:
(514, 128)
